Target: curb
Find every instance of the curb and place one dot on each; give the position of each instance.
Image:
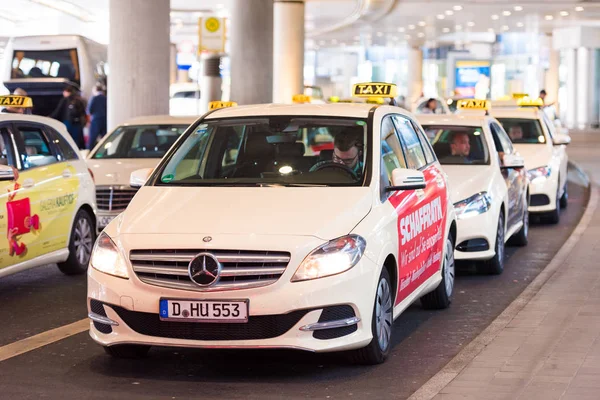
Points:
(455, 366)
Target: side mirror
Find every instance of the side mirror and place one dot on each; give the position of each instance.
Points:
(561, 139)
(6, 173)
(513, 161)
(84, 153)
(406, 179)
(139, 177)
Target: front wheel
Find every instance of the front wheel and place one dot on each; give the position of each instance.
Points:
(81, 242)
(495, 266)
(564, 199)
(554, 216)
(381, 325)
(441, 297)
(521, 238)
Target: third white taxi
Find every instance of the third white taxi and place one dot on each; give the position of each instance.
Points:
(487, 181)
(138, 143)
(241, 239)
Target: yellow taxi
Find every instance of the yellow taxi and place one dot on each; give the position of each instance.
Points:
(46, 194)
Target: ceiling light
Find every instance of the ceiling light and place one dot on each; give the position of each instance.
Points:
(401, 29)
(495, 17)
(379, 34)
(491, 30)
(441, 16)
(67, 8)
(520, 24)
(446, 30)
(458, 27)
(343, 44)
(407, 36)
(506, 13)
(518, 8)
(505, 28)
(549, 17)
(578, 9)
(564, 13)
(471, 24)
(395, 38)
(333, 41)
(421, 34)
(457, 8)
(411, 27)
(321, 42)
(422, 23)
(449, 12)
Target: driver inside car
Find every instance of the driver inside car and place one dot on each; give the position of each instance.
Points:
(347, 150)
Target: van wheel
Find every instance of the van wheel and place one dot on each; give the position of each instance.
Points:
(441, 297)
(127, 351)
(564, 199)
(83, 235)
(495, 266)
(554, 215)
(381, 325)
(521, 238)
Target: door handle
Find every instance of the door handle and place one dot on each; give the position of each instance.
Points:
(28, 183)
(66, 173)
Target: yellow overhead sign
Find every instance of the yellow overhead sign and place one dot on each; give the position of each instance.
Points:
(211, 34)
(473, 104)
(300, 98)
(374, 89)
(213, 105)
(12, 100)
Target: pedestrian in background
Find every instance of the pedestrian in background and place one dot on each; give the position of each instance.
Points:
(71, 112)
(97, 112)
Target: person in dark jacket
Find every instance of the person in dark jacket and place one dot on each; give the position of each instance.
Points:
(97, 112)
(71, 112)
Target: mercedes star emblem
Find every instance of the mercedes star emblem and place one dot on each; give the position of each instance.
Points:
(204, 269)
(206, 239)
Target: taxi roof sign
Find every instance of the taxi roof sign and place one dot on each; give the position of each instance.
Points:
(213, 105)
(528, 102)
(13, 100)
(301, 98)
(474, 104)
(374, 89)
(519, 95)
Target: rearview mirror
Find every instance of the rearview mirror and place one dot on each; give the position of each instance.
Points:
(513, 161)
(406, 179)
(139, 177)
(6, 173)
(561, 139)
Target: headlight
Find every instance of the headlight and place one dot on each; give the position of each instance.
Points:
(474, 205)
(332, 258)
(107, 258)
(539, 175)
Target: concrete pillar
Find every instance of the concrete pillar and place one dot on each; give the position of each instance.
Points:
(251, 54)
(571, 62)
(288, 49)
(211, 81)
(552, 80)
(415, 74)
(583, 103)
(172, 63)
(138, 55)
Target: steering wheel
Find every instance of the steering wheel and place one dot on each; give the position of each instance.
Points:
(330, 164)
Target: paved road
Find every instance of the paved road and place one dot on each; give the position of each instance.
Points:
(424, 341)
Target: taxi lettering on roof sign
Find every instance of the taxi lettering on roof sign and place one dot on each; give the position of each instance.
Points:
(16, 101)
(300, 99)
(519, 95)
(527, 102)
(374, 89)
(213, 105)
(472, 104)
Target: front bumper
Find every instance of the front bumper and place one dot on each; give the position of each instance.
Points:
(327, 314)
(476, 236)
(543, 194)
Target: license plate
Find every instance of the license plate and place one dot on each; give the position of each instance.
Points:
(104, 221)
(204, 310)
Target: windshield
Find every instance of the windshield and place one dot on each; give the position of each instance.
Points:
(523, 130)
(140, 141)
(458, 145)
(276, 150)
(46, 64)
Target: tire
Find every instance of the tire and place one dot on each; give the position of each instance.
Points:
(131, 351)
(441, 297)
(564, 199)
(521, 238)
(495, 266)
(83, 235)
(553, 217)
(382, 322)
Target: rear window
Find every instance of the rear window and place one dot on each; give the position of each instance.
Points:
(523, 130)
(46, 64)
(458, 145)
(140, 141)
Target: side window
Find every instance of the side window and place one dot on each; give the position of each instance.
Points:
(6, 150)
(549, 125)
(415, 157)
(391, 149)
(67, 152)
(37, 148)
(429, 154)
(497, 143)
(503, 138)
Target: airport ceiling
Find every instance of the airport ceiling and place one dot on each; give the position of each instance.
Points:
(328, 22)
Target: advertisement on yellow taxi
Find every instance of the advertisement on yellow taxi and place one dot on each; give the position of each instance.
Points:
(37, 211)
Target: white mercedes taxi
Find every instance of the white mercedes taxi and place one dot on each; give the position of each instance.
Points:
(545, 154)
(487, 180)
(239, 239)
(46, 194)
(138, 143)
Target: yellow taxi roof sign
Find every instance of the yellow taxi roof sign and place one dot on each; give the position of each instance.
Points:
(13, 100)
(473, 104)
(374, 89)
(213, 105)
(301, 98)
(334, 99)
(528, 102)
(519, 95)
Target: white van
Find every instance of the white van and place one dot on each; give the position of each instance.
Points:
(44, 65)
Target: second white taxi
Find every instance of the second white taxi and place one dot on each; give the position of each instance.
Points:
(242, 239)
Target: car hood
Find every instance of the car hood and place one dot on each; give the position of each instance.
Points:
(466, 180)
(116, 171)
(535, 155)
(322, 212)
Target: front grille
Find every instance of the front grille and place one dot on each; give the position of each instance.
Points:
(114, 198)
(257, 327)
(98, 308)
(241, 269)
(539, 200)
(335, 313)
